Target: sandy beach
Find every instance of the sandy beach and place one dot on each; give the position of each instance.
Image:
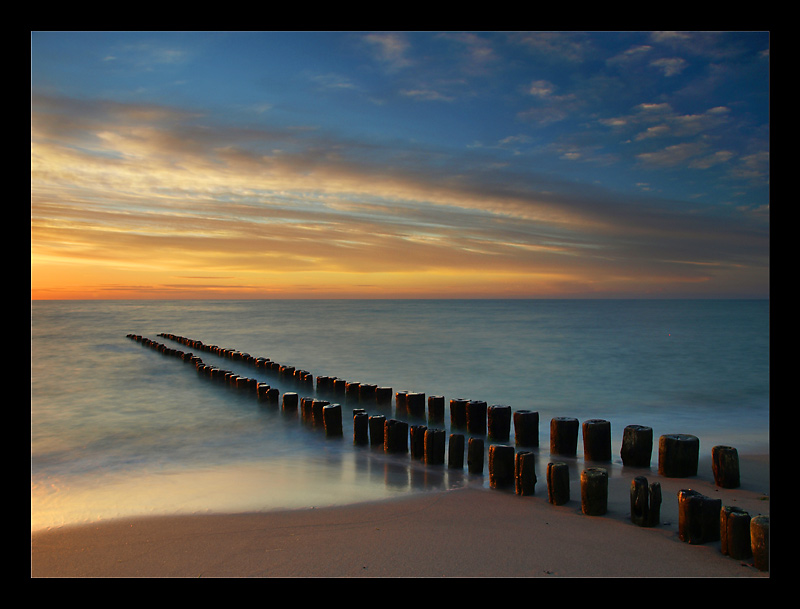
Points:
(468, 532)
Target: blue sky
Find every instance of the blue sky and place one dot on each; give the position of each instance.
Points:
(392, 164)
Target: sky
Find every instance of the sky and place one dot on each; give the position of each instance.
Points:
(401, 164)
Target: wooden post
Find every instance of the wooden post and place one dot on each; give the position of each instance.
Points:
(351, 392)
(564, 436)
(501, 465)
(594, 491)
(400, 403)
(759, 542)
(306, 412)
(557, 482)
(317, 412)
(417, 438)
(678, 455)
(434, 446)
(340, 388)
(366, 393)
(725, 466)
(383, 396)
(698, 517)
(458, 413)
(324, 384)
(415, 404)
(499, 422)
(526, 428)
(377, 423)
(332, 420)
(734, 532)
(637, 445)
(596, 440)
(525, 472)
(476, 417)
(436, 409)
(455, 451)
(475, 456)
(645, 502)
(360, 428)
(395, 436)
(290, 402)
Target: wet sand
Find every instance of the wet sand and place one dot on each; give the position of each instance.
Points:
(473, 531)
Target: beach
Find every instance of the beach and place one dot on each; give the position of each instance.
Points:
(142, 467)
(468, 532)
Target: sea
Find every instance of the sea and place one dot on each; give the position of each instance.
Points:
(121, 429)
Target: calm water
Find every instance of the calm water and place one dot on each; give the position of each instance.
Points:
(119, 429)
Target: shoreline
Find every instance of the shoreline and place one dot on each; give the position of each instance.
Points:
(465, 532)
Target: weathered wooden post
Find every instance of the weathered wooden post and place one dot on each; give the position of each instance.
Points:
(526, 428)
(734, 532)
(287, 373)
(324, 384)
(501, 465)
(415, 404)
(395, 436)
(332, 420)
(499, 422)
(678, 455)
(340, 389)
(597, 440)
(698, 517)
(383, 396)
(306, 412)
(400, 405)
(317, 414)
(564, 436)
(637, 445)
(417, 439)
(594, 491)
(525, 472)
(377, 424)
(475, 456)
(458, 413)
(290, 402)
(645, 502)
(434, 446)
(366, 393)
(360, 428)
(436, 409)
(455, 451)
(759, 542)
(476, 417)
(557, 482)
(272, 396)
(725, 466)
(351, 391)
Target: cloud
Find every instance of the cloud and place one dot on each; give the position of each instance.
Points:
(146, 188)
(391, 49)
(671, 66)
(629, 56)
(571, 47)
(677, 154)
(427, 95)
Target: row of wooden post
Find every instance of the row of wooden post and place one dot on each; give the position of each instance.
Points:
(701, 519)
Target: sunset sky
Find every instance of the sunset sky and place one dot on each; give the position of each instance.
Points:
(399, 164)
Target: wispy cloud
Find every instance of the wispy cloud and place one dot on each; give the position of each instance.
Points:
(390, 49)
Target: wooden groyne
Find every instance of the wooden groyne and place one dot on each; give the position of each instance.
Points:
(474, 424)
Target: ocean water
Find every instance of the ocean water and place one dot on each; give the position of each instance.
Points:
(120, 429)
